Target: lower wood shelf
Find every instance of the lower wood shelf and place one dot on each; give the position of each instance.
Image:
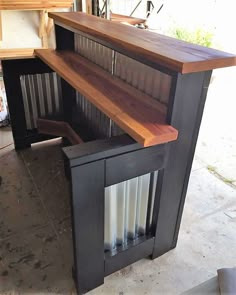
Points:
(141, 116)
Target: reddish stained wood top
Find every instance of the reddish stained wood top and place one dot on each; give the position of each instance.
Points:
(141, 116)
(180, 56)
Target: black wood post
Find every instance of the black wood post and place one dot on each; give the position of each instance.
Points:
(12, 70)
(65, 41)
(184, 113)
(64, 38)
(88, 224)
(15, 103)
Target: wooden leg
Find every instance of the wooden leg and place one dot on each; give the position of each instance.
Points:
(43, 28)
(89, 7)
(41, 13)
(50, 26)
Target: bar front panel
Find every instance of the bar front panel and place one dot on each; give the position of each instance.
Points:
(129, 210)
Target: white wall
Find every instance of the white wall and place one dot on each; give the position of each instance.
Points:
(20, 29)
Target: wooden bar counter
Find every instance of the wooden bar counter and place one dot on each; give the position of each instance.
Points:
(131, 102)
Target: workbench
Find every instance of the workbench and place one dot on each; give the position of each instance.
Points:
(129, 103)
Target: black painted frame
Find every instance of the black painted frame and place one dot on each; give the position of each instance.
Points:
(12, 71)
(112, 158)
(99, 164)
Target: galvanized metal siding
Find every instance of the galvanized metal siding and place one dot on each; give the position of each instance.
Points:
(140, 76)
(94, 52)
(41, 97)
(126, 209)
(103, 57)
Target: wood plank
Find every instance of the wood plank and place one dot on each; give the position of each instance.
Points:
(58, 128)
(89, 7)
(126, 19)
(43, 20)
(33, 7)
(141, 116)
(50, 26)
(20, 53)
(147, 46)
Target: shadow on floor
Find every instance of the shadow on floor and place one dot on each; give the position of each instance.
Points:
(35, 229)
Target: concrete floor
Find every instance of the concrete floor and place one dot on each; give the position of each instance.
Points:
(35, 230)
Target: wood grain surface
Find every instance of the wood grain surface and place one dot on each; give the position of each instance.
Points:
(144, 45)
(141, 116)
(16, 53)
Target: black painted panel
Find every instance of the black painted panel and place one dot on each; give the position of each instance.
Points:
(128, 256)
(134, 164)
(185, 115)
(88, 224)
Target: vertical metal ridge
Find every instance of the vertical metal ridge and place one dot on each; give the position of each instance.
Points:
(131, 207)
(152, 195)
(26, 102)
(92, 117)
(121, 213)
(110, 231)
(40, 93)
(33, 99)
(142, 204)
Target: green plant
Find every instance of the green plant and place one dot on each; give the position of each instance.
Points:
(198, 36)
(211, 168)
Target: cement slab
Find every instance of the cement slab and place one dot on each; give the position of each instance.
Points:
(207, 237)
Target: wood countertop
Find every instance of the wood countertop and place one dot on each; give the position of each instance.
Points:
(150, 47)
(19, 53)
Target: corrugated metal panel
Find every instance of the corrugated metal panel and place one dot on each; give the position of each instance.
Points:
(103, 56)
(142, 205)
(94, 52)
(153, 185)
(101, 125)
(93, 118)
(41, 97)
(126, 209)
(146, 79)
